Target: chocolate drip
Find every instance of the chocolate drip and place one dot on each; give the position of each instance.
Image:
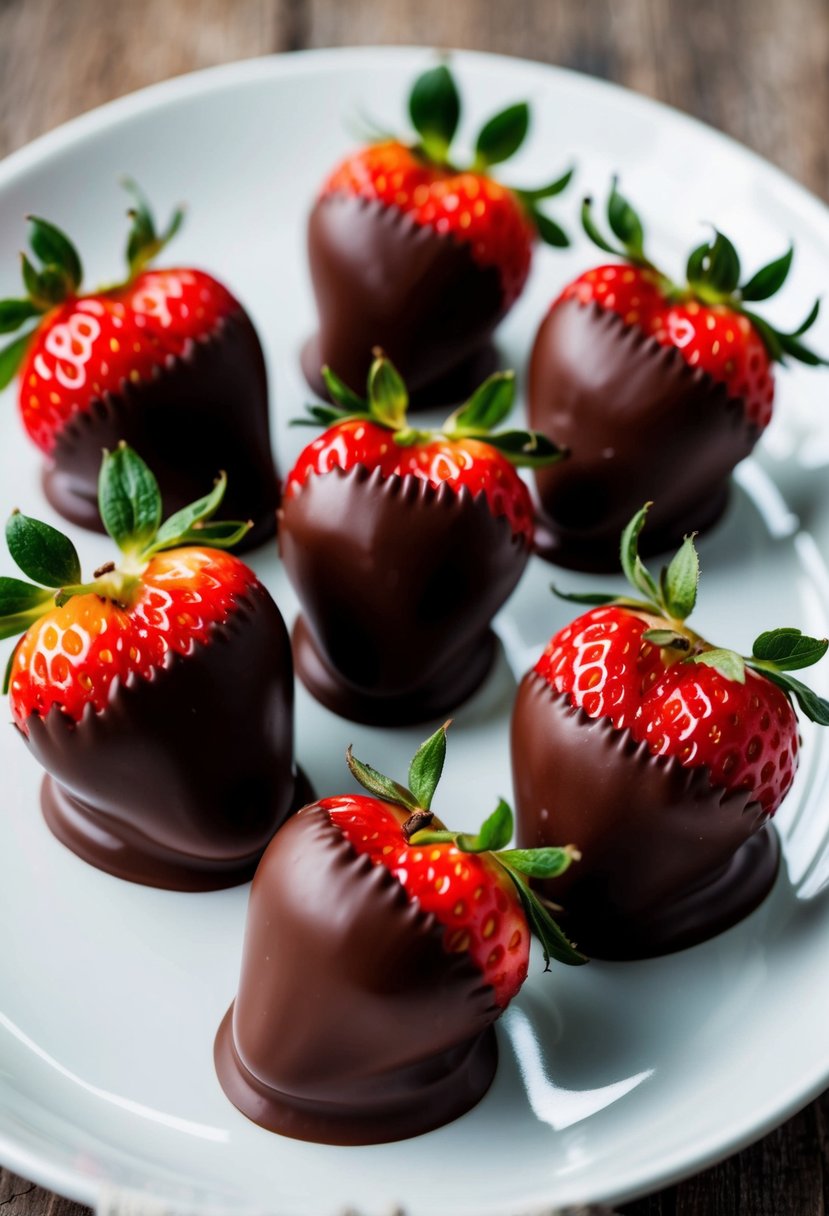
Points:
(352, 1024)
(202, 412)
(639, 424)
(380, 279)
(668, 860)
(398, 583)
(183, 779)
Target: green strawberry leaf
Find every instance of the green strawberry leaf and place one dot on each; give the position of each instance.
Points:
(592, 231)
(594, 598)
(680, 581)
(435, 110)
(183, 521)
(553, 942)
(54, 248)
(11, 357)
(388, 399)
(727, 662)
(634, 568)
(216, 534)
(549, 191)
(43, 553)
(769, 279)
(320, 416)
(549, 231)
(502, 136)
(815, 708)
(797, 350)
(14, 313)
(380, 785)
(18, 622)
(625, 223)
(789, 649)
(715, 265)
(143, 242)
(495, 833)
(538, 863)
(426, 768)
(17, 596)
(809, 321)
(526, 449)
(488, 406)
(129, 500)
(341, 394)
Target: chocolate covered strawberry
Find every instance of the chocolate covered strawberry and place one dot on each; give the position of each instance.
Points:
(167, 360)
(414, 252)
(657, 389)
(403, 544)
(664, 756)
(158, 695)
(379, 950)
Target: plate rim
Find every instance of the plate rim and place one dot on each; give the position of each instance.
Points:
(154, 97)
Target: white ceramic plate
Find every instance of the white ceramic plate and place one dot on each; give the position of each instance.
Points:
(613, 1079)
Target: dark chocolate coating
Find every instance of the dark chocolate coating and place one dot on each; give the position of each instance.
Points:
(398, 583)
(668, 860)
(352, 1024)
(183, 779)
(200, 413)
(639, 424)
(380, 279)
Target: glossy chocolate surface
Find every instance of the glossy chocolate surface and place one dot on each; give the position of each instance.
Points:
(199, 414)
(639, 424)
(667, 859)
(183, 779)
(352, 1025)
(380, 279)
(398, 584)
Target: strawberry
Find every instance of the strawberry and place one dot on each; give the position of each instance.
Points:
(625, 700)
(610, 380)
(379, 949)
(160, 358)
(158, 694)
(415, 252)
(402, 544)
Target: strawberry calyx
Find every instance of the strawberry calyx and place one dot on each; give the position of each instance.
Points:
(387, 401)
(712, 275)
(130, 504)
(435, 112)
(668, 601)
(423, 827)
(56, 273)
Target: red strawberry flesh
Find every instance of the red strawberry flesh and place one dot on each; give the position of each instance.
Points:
(468, 893)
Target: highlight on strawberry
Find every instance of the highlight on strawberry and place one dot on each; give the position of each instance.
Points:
(422, 254)
(633, 728)
(402, 544)
(422, 931)
(157, 694)
(166, 359)
(657, 388)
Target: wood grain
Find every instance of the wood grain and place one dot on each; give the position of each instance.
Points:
(757, 69)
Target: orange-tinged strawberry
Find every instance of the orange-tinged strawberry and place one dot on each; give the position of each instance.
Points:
(169, 592)
(70, 657)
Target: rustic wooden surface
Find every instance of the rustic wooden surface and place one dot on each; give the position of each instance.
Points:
(758, 69)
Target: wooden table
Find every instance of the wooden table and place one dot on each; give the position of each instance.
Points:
(758, 69)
